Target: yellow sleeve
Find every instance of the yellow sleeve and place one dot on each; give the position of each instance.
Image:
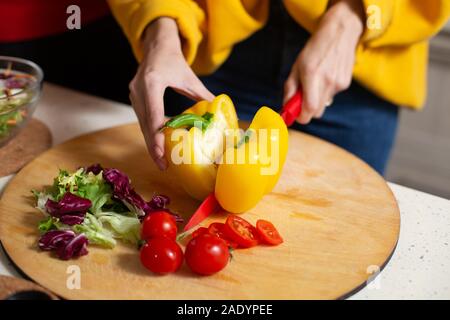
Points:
(134, 15)
(403, 22)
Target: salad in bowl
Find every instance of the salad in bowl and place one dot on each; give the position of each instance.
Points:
(20, 88)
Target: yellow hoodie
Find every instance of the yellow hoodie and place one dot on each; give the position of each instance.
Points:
(391, 59)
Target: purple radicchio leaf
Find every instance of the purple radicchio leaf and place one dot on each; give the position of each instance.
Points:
(66, 243)
(76, 247)
(160, 202)
(54, 239)
(122, 190)
(96, 168)
(71, 209)
(16, 83)
(73, 218)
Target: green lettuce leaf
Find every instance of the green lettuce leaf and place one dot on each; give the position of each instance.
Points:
(125, 227)
(95, 232)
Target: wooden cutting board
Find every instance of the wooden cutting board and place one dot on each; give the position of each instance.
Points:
(338, 217)
(30, 142)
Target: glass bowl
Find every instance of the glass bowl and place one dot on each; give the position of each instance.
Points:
(20, 89)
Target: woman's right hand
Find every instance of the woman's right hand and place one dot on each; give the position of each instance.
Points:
(163, 66)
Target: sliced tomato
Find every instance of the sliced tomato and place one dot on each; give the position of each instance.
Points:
(240, 231)
(216, 229)
(268, 233)
(199, 231)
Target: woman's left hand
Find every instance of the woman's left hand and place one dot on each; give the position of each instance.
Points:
(324, 67)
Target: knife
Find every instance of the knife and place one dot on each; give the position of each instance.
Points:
(292, 108)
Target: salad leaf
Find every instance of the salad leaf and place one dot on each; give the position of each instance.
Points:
(95, 168)
(159, 202)
(41, 200)
(46, 225)
(95, 232)
(69, 203)
(66, 243)
(70, 210)
(54, 239)
(123, 227)
(76, 247)
(123, 191)
(8, 121)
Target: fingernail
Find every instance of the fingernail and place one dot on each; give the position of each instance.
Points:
(158, 152)
(162, 164)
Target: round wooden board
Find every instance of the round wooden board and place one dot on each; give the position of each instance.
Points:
(19, 289)
(30, 142)
(339, 219)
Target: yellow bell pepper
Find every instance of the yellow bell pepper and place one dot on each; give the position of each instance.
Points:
(213, 156)
(251, 170)
(192, 151)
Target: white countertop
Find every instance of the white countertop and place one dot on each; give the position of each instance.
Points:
(419, 268)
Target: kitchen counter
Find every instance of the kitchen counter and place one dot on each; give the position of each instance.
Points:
(418, 268)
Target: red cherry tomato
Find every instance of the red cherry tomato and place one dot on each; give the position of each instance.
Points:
(268, 233)
(159, 224)
(206, 254)
(216, 229)
(240, 231)
(161, 255)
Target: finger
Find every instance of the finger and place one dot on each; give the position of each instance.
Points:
(291, 85)
(193, 88)
(327, 98)
(311, 99)
(154, 119)
(139, 107)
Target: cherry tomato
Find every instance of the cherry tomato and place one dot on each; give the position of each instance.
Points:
(206, 254)
(268, 233)
(161, 255)
(240, 231)
(216, 229)
(199, 232)
(159, 224)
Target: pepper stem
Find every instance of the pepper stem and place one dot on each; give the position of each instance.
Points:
(190, 120)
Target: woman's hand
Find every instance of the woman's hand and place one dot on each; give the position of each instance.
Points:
(325, 65)
(163, 66)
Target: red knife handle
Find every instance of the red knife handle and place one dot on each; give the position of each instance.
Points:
(292, 108)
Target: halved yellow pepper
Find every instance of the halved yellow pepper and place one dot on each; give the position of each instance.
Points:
(204, 160)
(192, 152)
(251, 170)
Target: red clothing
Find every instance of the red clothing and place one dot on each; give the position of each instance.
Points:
(22, 20)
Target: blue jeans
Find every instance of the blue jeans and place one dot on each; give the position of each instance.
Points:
(254, 76)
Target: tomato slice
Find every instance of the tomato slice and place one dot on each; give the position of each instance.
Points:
(199, 231)
(216, 229)
(240, 231)
(268, 233)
